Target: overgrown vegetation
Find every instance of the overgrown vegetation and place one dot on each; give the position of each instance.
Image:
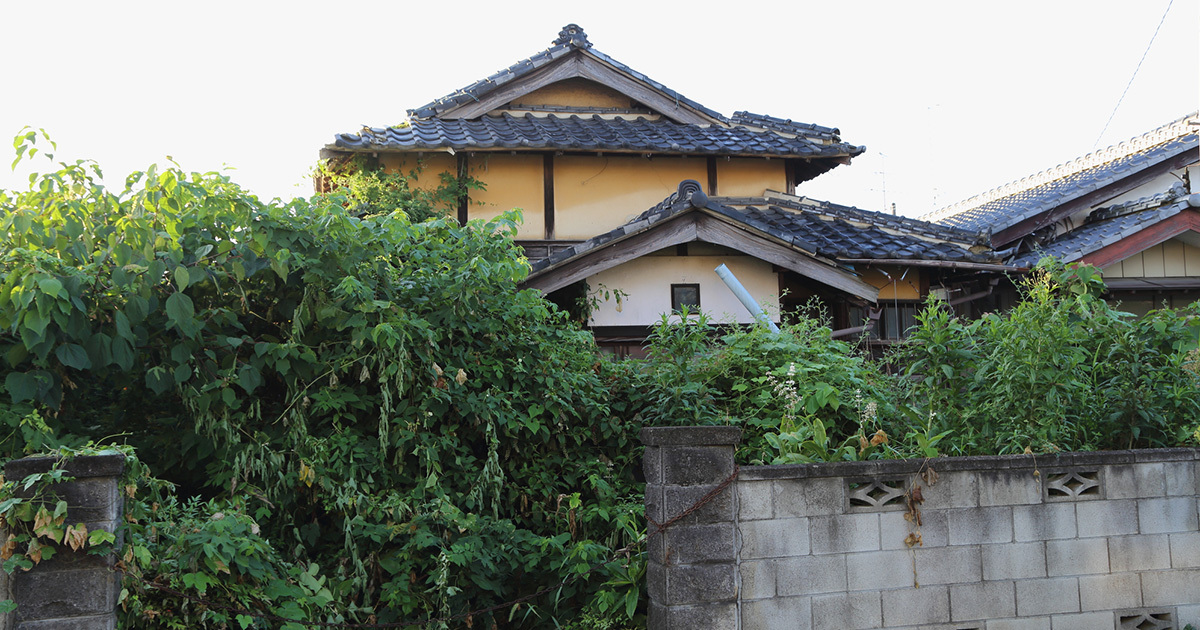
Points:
(368, 396)
(359, 417)
(1063, 370)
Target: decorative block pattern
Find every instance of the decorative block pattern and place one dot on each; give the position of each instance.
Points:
(875, 495)
(1146, 620)
(1073, 485)
(1097, 540)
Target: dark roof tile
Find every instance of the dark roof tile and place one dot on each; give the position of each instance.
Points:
(1106, 230)
(657, 135)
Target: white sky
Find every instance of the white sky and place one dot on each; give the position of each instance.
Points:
(950, 98)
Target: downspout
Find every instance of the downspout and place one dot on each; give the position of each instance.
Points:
(872, 320)
(744, 297)
(975, 296)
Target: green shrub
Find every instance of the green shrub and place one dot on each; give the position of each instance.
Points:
(372, 393)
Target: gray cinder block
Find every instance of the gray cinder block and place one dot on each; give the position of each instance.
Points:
(980, 525)
(1076, 557)
(1047, 597)
(1106, 518)
(1176, 514)
(982, 600)
(912, 606)
(1109, 592)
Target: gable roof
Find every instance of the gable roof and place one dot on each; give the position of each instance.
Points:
(571, 39)
(1131, 221)
(813, 238)
(1021, 207)
(481, 116)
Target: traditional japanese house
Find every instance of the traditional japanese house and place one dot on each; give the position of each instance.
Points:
(633, 193)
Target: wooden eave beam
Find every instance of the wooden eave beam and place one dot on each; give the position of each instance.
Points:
(697, 226)
(1169, 283)
(1119, 187)
(1165, 230)
(579, 64)
(674, 231)
(944, 264)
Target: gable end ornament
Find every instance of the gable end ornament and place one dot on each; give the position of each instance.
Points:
(572, 35)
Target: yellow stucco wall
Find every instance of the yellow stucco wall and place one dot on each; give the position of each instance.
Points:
(894, 288)
(575, 93)
(750, 177)
(430, 167)
(647, 282)
(594, 194)
(512, 181)
(1171, 259)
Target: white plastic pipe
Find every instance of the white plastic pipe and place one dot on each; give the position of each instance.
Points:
(744, 297)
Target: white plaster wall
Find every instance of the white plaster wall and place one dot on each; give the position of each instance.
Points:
(1159, 184)
(647, 282)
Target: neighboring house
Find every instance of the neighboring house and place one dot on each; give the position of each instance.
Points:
(1130, 209)
(584, 145)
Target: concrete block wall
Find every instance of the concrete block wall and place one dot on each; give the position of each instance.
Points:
(1077, 540)
(72, 590)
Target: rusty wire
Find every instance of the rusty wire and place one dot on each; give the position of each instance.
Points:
(624, 551)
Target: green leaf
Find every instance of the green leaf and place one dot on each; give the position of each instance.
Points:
(21, 386)
(158, 380)
(182, 277)
(123, 329)
(36, 322)
(249, 378)
(137, 308)
(122, 353)
(73, 355)
(100, 537)
(180, 308)
(50, 286)
(182, 373)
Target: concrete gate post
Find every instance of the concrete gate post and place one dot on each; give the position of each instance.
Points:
(72, 590)
(691, 574)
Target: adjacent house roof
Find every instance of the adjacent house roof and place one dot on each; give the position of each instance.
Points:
(813, 238)
(486, 116)
(1119, 223)
(1022, 207)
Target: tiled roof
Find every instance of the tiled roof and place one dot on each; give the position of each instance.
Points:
(1080, 242)
(821, 228)
(570, 38)
(1109, 225)
(808, 130)
(1010, 204)
(590, 133)
(599, 129)
(916, 227)
(843, 232)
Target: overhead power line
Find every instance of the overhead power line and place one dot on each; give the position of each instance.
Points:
(1135, 73)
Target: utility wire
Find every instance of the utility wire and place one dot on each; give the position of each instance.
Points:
(1135, 73)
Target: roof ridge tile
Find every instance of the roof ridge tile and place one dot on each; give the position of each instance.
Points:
(1173, 130)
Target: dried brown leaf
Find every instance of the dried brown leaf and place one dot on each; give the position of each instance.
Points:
(76, 536)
